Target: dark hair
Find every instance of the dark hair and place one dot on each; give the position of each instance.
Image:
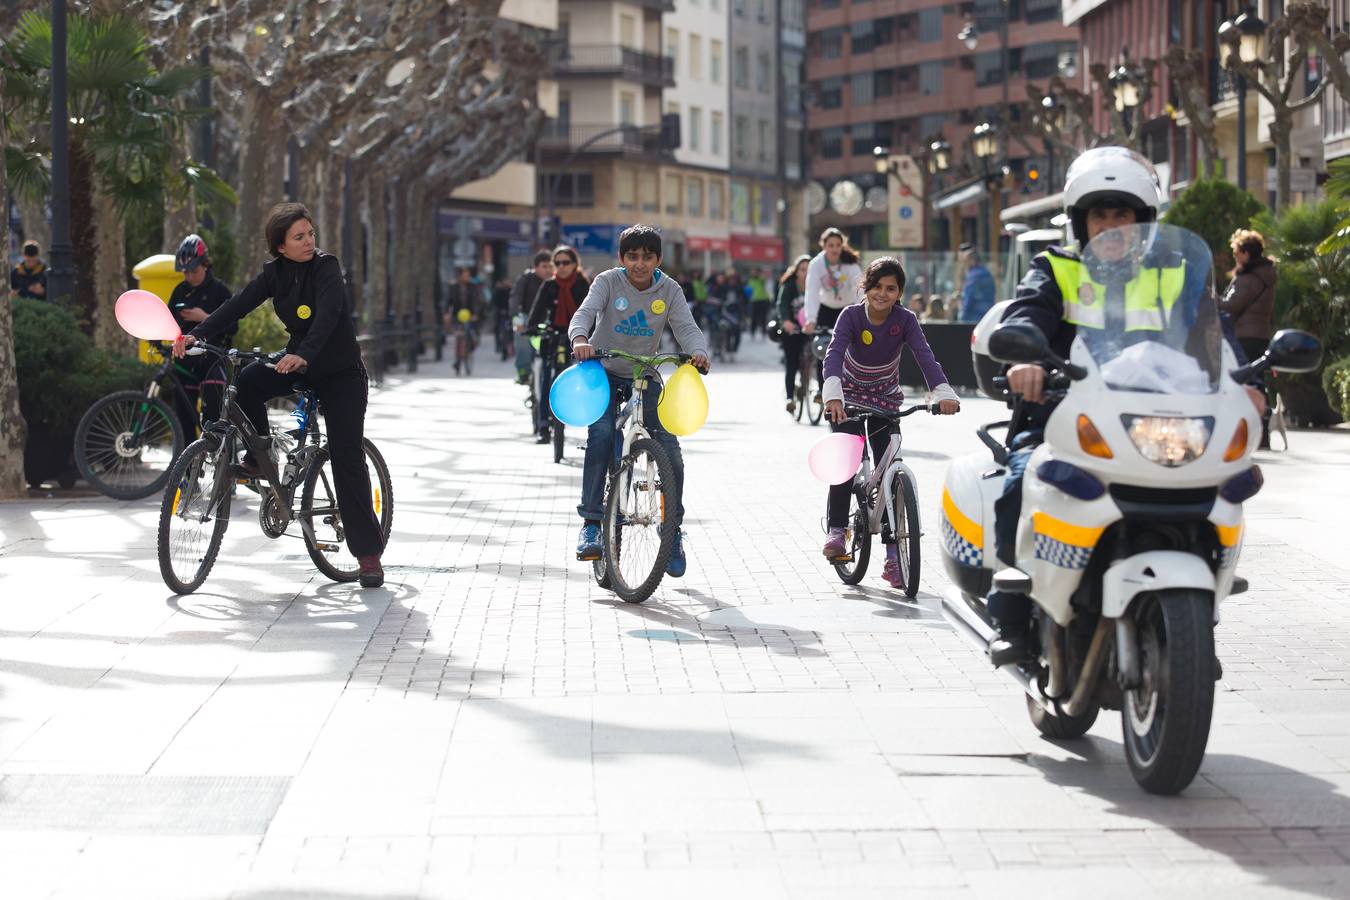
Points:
(568, 249)
(33, 246)
(640, 237)
(543, 256)
(791, 271)
(880, 268)
(848, 254)
(280, 220)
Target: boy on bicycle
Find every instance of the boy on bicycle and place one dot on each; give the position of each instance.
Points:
(862, 369)
(628, 309)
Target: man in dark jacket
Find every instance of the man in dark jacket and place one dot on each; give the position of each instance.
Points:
(1249, 302)
(522, 300)
(29, 278)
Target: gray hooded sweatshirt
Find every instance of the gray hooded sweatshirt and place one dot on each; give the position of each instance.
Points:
(617, 316)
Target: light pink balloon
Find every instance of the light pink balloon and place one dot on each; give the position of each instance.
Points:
(835, 458)
(143, 315)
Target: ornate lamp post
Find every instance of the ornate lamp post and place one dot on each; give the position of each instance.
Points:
(1124, 81)
(1242, 36)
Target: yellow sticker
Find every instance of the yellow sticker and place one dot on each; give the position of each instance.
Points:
(658, 307)
(866, 336)
(304, 312)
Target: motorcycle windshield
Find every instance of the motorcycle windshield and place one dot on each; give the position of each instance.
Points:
(1145, 308)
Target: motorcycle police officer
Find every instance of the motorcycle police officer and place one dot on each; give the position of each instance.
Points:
(1105, 188)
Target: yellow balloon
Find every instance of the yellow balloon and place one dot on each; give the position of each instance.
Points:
(683, 406)
(464, 315)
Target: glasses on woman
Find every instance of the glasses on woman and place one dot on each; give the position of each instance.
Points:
(564, 262)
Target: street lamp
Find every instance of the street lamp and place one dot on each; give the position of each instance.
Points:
(1124, 81)
(939, 157)
(969, 35)
(984, 144)
(984, 141)
(1053, 114)
(880, 160)
(1241, 38)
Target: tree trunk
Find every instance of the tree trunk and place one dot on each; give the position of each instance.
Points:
(13, 428)
(261, 173)
(109, 274)
(180, 206)
(36, 227)
(83, 237)
(377, 281)
(1281, 131)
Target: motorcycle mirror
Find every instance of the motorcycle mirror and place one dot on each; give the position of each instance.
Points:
(1018, 342)
(1292, 350)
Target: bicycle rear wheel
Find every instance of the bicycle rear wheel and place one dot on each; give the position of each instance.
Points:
(905, 522)
(639, 524)
(815, 403)
(194, 514)
(126, 443)
(858, 540)
(558, 434)
(321, 520)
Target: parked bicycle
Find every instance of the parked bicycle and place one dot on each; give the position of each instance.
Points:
(296, 484)
(127, 441)
(884, 501)
(638, 530)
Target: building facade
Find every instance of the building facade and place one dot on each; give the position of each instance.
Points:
(755, 85)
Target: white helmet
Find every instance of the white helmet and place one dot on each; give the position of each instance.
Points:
(1110, 177)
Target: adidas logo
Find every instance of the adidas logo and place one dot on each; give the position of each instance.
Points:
(635, 326)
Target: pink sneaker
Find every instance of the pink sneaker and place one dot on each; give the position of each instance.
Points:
(890, 573)
(834, 544)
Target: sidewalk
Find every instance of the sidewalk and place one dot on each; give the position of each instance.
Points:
(491, 724)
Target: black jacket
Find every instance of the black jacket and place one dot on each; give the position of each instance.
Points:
(22, 279)
(524, 291)
(207, 297)
(310, 299)
(546, 301)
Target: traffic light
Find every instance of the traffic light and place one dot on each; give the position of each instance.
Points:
(1033, 180)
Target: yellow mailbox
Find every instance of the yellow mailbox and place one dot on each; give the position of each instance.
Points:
(156, 275)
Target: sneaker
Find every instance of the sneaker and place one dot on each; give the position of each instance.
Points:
(588, 544)
(834, 544)
(791, 407)
(890, 573)
(678, 563)
(372, 573)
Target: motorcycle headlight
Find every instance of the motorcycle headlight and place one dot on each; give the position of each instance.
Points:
(1169, 441)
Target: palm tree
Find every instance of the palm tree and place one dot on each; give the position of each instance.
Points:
(126, 119)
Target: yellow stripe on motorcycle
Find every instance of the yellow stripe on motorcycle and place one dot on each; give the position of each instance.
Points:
(970, 530)
(1064, 532)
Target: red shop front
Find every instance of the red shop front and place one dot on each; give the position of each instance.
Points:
(755, 248)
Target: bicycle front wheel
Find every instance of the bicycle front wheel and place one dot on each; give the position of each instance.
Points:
(194, 514)
(858, 540)
(321, 520)
(639, 525)
(126, 443)
(558, 434)
(815, 403)
(905, 523)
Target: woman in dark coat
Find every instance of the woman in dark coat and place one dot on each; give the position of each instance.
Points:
(554, 305)
(1249, 303)
(307, 292)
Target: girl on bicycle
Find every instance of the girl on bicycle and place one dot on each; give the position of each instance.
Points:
(309, 297)
(862, 369)
(791, 296)
(831, 280)
(557, 301)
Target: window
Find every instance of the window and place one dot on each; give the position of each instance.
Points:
(695, 128)
(673, 46)
(715, 192)
(831, 142)
(762, 11)
(1042, 11)
(715, 134)
(863, 88)
(989, 66)
(715, 62)
(628, 30)
(867, 135)
(564, 110)
(715, 5)
(673, 191)
(740, 139)
(830, 43)
(762, 68)
(1040, 60)
(738, 7)
(627, 107)
(647, 187)
(867, 35)
(765, 140)
(673, 109)
(883, 83)
(627, 189)
(694, 66)
(930, 78)
(931, 125)
(766, 205)
(574, 189)
(693, 203)
(740, 204)
(930, 24)
(741, 67)
(832, 93)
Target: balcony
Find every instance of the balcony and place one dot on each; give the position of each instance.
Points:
(661, 6)
(558, 139)
(613, 61)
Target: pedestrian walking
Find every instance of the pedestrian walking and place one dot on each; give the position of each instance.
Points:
(791, 297)
(760, 301)
(978, 291)
(1249, 303)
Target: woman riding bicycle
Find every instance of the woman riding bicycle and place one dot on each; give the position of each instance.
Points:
(791, 296)
(557, 301)
(309, 297)
(194, 298)
(862, 370)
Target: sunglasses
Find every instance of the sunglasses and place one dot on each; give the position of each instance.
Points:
(564, 262)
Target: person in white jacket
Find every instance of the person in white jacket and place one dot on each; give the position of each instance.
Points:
(833, 280)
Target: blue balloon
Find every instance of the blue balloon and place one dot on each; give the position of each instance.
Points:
(580, 395)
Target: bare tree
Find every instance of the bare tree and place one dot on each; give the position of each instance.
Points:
(1189, 75)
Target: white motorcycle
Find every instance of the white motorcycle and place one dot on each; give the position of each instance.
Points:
(1131, 523)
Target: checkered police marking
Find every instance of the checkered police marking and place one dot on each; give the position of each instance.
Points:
(1058, 553)
(960, 549)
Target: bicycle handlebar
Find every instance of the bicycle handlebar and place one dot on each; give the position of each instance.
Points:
(201, 348)
(857, 415)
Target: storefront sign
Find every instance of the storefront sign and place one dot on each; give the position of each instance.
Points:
(695, 243)
(756, 248)
(905, 187)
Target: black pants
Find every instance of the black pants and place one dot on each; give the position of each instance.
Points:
(793, 346)
(342, 400)
(759, 315)
(200, 376)
(1254, 347)
(836, 510)
(826, 316)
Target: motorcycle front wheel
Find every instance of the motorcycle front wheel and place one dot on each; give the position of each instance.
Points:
(1166, 719)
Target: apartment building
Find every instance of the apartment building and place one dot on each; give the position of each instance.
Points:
(755, 187)
(896, 74)
(1335, 111)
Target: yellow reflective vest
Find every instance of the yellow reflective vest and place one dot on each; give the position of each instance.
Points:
(1149, 296)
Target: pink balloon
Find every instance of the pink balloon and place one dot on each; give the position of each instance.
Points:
(835, 458)
(143, 315)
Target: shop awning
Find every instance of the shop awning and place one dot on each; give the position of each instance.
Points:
(960, 194)
(1032, 208)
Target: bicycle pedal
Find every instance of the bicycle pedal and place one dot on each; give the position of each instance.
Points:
(842, 559)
